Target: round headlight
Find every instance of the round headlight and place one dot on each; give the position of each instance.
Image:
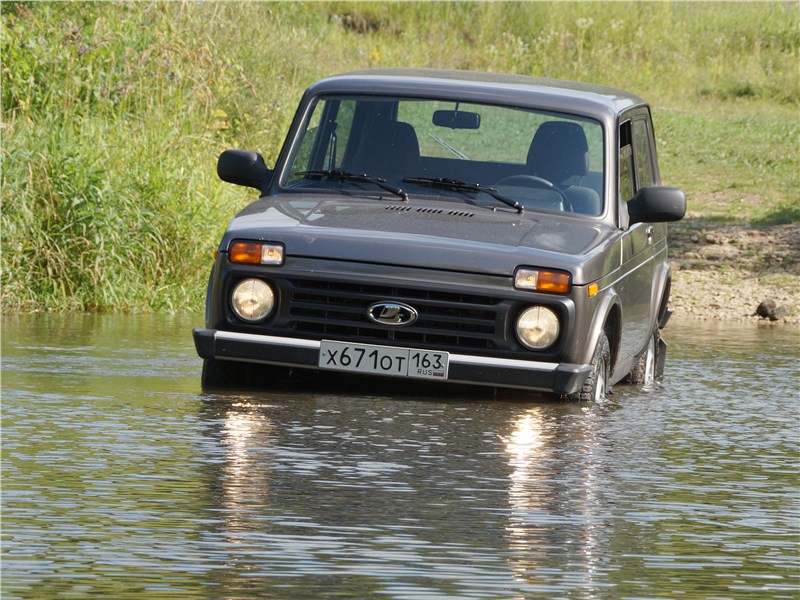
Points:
(252, 300)
(537, 327)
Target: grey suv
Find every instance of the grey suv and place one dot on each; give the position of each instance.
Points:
(449, 226)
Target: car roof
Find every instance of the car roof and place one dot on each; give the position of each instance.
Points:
(493, 88)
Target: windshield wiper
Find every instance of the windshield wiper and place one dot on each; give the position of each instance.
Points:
(463, 186)
(342, 175)
(458, 153)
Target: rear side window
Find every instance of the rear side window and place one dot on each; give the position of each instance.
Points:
(642, 155)
(627, 184)
(635, 157)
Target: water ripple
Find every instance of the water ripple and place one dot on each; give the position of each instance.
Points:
(120, 479)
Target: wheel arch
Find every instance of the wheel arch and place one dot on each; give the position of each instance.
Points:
(613, 331)
(662, 286)
(663, 308)
(608, 319)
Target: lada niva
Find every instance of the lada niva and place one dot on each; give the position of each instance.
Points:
(453, 227)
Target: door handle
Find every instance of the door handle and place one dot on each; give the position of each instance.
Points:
(649, 232)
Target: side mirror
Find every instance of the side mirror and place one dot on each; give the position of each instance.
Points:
(243, 167)
(657, 204)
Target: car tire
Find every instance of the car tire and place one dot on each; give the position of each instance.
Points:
(596, 387)
(644, 370)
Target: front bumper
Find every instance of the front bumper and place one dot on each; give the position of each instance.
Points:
(561, 378)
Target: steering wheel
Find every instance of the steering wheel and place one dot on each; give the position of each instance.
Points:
(537, 182)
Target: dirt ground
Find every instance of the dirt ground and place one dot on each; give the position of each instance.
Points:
(723, 272)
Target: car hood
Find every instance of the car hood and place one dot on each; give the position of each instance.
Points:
(444, 235)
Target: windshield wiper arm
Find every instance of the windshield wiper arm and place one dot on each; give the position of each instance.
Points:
(463, 186)
(343, 175)
(459, 154)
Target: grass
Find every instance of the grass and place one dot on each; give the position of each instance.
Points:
(113, 115)
(736, 163)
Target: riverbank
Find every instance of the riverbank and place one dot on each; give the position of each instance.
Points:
(114, 114)
(724, 271)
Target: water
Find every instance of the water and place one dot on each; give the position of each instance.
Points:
(122, 480)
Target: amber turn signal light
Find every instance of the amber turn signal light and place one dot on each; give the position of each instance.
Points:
(245, 252)
(553, 282)
(256, 253)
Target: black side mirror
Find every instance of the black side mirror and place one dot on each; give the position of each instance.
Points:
(243, 167)
(657, 204)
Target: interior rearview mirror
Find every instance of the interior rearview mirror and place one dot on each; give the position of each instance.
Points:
(456, 119)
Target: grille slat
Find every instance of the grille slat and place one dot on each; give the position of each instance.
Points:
(446, 319)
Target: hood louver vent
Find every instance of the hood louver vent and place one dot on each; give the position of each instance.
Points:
(432, 211)
(460, 213)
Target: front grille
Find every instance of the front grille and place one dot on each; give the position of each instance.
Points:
(446, 319)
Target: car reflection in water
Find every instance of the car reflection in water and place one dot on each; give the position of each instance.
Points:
(553, 498)
(292, 495)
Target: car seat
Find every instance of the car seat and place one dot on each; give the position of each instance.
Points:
(390, 151)
(559, 153)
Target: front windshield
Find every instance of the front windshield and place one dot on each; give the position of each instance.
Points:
(544, 161)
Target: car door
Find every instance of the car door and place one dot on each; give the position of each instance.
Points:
(639, 242)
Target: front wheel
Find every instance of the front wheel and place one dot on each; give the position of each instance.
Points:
(596, 388)
(220, 375)
(644, 370)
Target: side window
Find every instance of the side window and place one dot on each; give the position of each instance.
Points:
(325, 138)
(344, 125)
(302, 160)
(335, 134)
(626, 180)
(642, 155)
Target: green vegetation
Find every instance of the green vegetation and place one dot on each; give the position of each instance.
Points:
(113, 115)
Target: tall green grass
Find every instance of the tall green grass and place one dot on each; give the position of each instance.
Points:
(113, 115)
(109, 138)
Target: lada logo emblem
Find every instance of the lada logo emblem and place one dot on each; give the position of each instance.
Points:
(392, 313)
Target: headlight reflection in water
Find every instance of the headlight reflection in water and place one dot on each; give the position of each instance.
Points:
(553, 508)
(245, 475)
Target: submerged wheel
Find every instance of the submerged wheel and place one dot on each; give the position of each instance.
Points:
(225, 374)
(596, 387)
(221, 374)
(644, 370)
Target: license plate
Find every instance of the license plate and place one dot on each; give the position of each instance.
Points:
(383, 360)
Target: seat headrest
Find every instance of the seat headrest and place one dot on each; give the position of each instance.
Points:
(402, 139)
(558, 151)
(392, 150)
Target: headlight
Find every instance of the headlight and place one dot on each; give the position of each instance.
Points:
(252, 300)
(537, 327)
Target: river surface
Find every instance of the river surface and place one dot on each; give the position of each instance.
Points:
(121, 479)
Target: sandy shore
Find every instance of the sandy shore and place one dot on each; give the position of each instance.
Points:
(723, 272)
